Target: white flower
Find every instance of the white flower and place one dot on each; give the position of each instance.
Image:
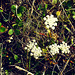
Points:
(35, 51)
(50, 21)
(35, 43)
(25, 48)
(31, 54)
(54, 49)
(34, 40)
(64, 48)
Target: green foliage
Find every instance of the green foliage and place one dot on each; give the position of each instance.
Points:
(43, 9)
(5, 20)
(54, 2)
(14, 25)
(13, 8)
(1, 10)
(21, 9)
(19, 23)
(17, 31)
(46, 5)
(11, 31)
(67, 4)
(73, 12)
(6, 72)
(0, 24)
(19, 61)
(19, 14)
(16, 57)
(40, 7)
(2, 29)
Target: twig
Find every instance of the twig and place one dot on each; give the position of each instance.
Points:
(16, 12)
(61, 2)
(68, 71)
(32, 6)
(21, 69)
(61, 73)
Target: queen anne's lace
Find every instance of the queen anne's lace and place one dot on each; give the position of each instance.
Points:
(35, 51)
(54, 48)
(50, 21)
(64, 47)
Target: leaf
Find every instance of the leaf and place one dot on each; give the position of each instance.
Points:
(21, 9)
(5, 20)
(2, 29)
(15, 57)
(11, 31)
(17, 31)
(6, 72)
(73, 16)
(44, 50)
(54, 2)
(19, 61)
(20, 24)
(14, 25)
(73, 12)
(46, 6)
(67, 28)
(13, 8)
(1, 10)
(43, 13)
(19, 15)
(40, 7)
(58, 13)
(0, 24)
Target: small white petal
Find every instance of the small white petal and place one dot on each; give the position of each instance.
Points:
(53, 27)
(31, 54)
(47, 16)
(25, 48)
(34, 40)
(47, 26)
(35, 43)
(44, 18)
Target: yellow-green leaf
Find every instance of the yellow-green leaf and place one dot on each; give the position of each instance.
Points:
(11, 31)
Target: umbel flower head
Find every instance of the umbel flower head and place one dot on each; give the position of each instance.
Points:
(54, 48)
(50, 21)
(64, 47)
(35, 51)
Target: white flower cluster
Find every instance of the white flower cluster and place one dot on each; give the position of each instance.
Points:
(54, 48)
(35, 51)
(64, 47)
(50, 21)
